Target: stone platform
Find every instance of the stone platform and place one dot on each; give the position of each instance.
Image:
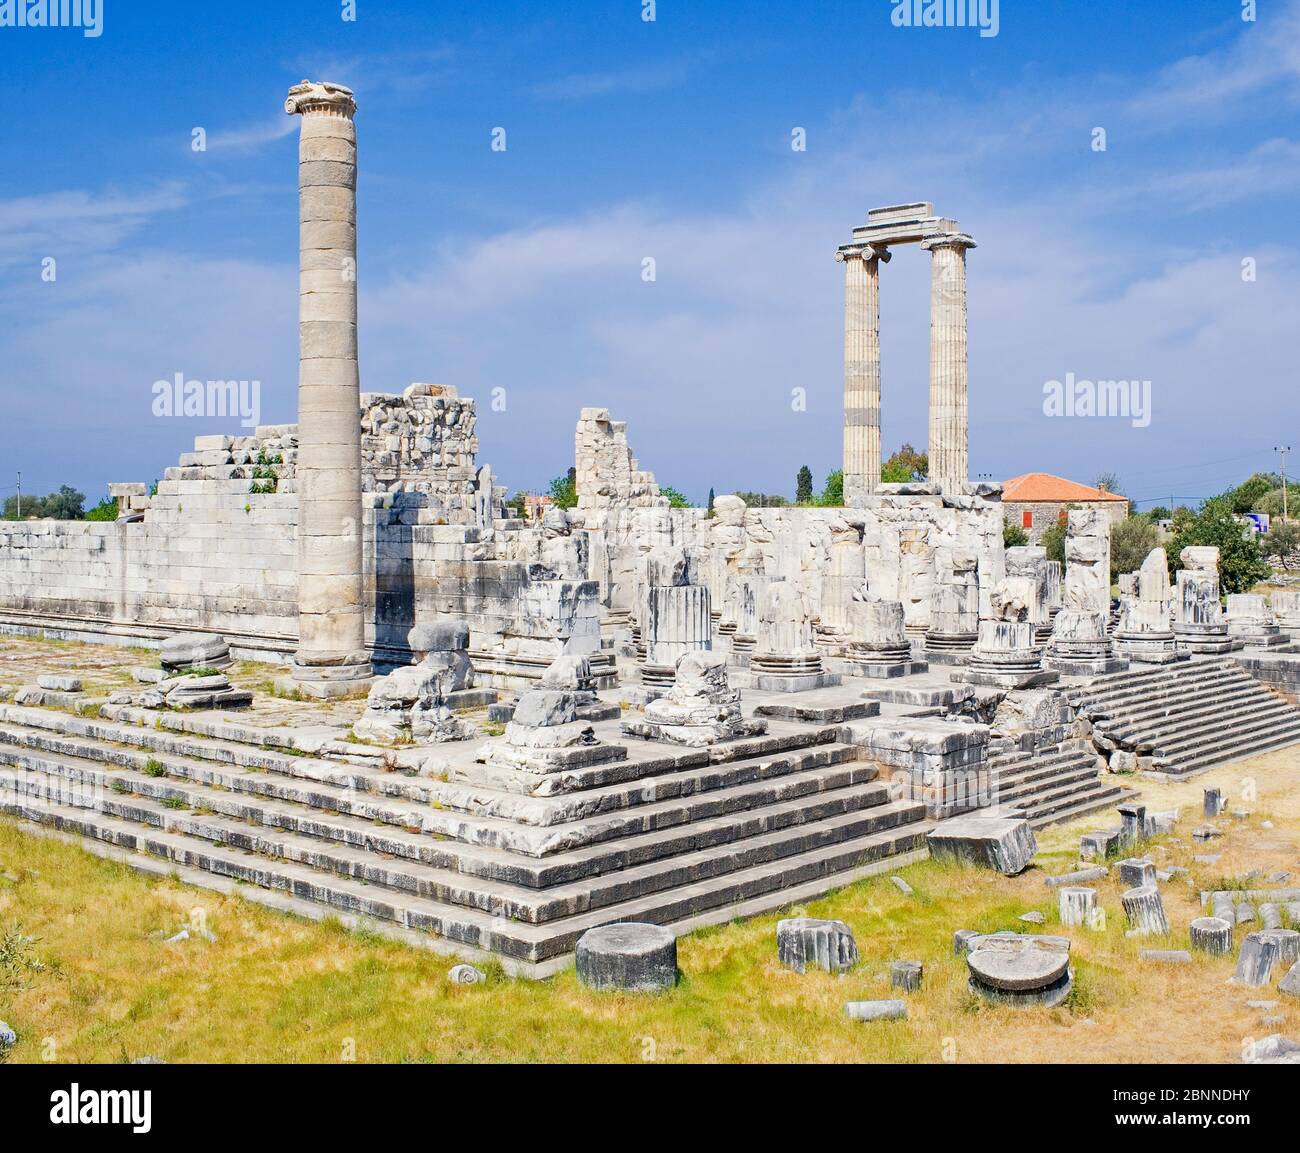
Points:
(440, 849)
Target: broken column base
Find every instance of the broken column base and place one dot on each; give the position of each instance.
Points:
(329, 682)
(855, 665)
(1150, 648)
(1018, 969)
(1006, 679)
(787, 682)
(948, 649)
(1073, 666)
(1204, 641)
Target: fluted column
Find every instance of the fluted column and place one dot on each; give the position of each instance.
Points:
(331, 659)
(861, 370)
(949, 408)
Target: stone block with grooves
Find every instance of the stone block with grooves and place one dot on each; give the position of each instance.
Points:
(1006, 844)
(633, 956)
(1075, 905)
(1212, 935)
(906, 975)
(1255, 962)
(1136, 871)
(804, 943)
(1145, 910)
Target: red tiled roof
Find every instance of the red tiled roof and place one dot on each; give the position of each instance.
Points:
(1043, 486)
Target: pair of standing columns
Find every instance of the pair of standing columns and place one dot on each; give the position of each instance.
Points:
(949, 407)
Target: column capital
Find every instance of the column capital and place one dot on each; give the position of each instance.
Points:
(947, 240)
(864, 252)
(321, 96)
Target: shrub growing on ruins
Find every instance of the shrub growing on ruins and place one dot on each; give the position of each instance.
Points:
(1013, 536)
(675, 498)
(1241, 566)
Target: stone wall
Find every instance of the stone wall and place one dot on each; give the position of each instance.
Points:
(608, 475)
(214, 549)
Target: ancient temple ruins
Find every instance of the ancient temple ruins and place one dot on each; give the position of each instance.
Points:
(524, 730)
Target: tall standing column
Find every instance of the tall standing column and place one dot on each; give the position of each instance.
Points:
(331, 659)
(861, 370)
(949, 406)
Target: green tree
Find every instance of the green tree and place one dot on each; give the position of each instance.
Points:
(675, 498)
(803, 486)
(710, 504)
(1282, 542)
(106, 509)
(1157, 514)
(66, 504)
(564, 489)
(1053, 538)
(905, 465)
(763, 500)
(1247, 495)
(1130, 542)
(1241, 566)
(1271, 502)
(833, 493)
(1013, 536)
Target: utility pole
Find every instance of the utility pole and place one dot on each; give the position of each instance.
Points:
(20, 496)
(1282, 450)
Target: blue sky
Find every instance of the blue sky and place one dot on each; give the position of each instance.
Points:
(521, 270)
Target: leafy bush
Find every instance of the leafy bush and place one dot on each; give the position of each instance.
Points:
(833, 492)
(1013, 536)
(1053, 538)
(564, 489)
(1241, 566)
(1130, 542)
(106, 509)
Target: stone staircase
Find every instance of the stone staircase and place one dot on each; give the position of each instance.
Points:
(1189, 717)
(1052, 784)
(676, 836)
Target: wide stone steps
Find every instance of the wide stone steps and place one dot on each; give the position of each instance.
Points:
(236, 826)
(1227, 745)
(698, 836)
(1189, 712)
(489, 831)
(1138, 700)
(1190, 717)
(651, 776)
(1053, 784)
(1182, 733)
(518, 940)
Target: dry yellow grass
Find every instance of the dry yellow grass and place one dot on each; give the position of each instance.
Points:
(272, 988)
